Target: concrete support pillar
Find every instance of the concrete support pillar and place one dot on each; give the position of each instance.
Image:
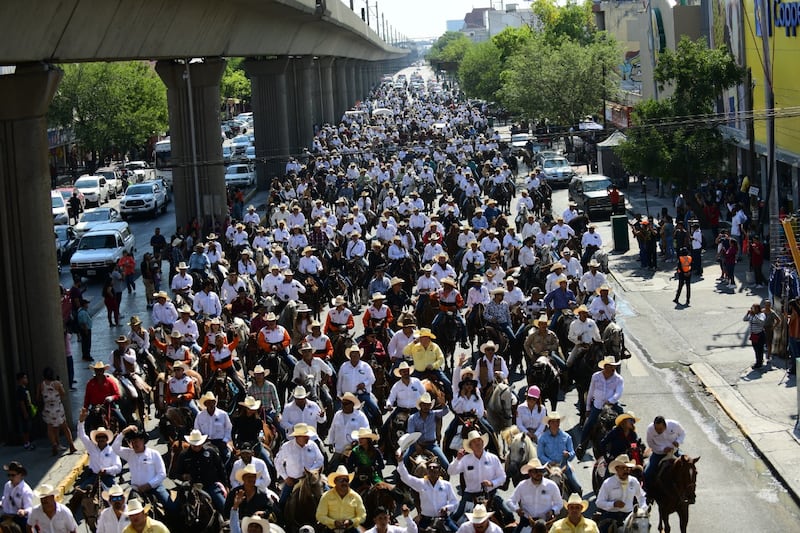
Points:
(327, 95)
(359, 81)
(31, 328)
(352, 85)
(194, 125)
(306, 91)
(270, 99)
(342, 92)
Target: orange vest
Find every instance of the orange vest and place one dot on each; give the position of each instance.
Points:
(685, 263)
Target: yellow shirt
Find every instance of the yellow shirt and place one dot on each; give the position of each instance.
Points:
(432, 356)
(152, 526)
(332, 508)
(584, 526)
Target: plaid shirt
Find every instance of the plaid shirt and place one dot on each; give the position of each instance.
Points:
(268, 395)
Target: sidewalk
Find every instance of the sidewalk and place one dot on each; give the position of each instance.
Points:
(711, 339)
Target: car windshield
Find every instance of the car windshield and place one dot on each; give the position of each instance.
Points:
(555, 163)
(86, 183)
(596, 185)
(56, 201)
(94, 216)
(108, 174)
(96, 242)
(139, 189)
(237, 170)
(519, 137)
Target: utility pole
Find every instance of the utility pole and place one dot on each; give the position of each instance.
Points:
(769, 105)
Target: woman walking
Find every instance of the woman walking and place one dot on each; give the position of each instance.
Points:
(51, 393)
(757, 334)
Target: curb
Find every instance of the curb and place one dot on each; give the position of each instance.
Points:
(66, 484)
(752, 426)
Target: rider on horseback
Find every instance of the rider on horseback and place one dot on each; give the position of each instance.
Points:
(216, 424)
(482, 470)
(582, 332)
(164, 313)
(365, 459)
(437, 497)
(427, 356)
(623, 439)
(201, 464)
(175, 350)
(603, 308)
(103, 390)
(543, 342)
(274, 337)
(103, 462)
(535, 498)
(220, 358)
(606, 387)
(450, 301)
(378, 315)
(180, 389)
(616, 495)
(497, 314)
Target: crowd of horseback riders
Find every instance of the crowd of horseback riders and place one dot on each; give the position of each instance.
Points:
(268, 394)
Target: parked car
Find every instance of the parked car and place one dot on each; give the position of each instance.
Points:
(240, 143)
(240, 175)
(557, 171)
(227, 152)
(100, 249)
(149, 197)
(113, 179)
(545, 154)
(590, 193)
(60, 215)
(519, 142)
(66, 242)
(250, 153)
(95, 217)
(94, 189)
(139, 171)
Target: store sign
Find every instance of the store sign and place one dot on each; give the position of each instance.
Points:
(780, 14)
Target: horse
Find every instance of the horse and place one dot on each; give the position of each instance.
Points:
(500, 406)
(545, 375)
(316, 393)
(555, 474)
(521, 449)
(391, 433)
(90, 503)
(305, 496)
(679, 476)
(468, 422)
(176, 423)
(614, 342)
(605, 423)
(447, 337)
(582, 371)
(378, 495)
(196, 511)
(637, 521)
(313, 297)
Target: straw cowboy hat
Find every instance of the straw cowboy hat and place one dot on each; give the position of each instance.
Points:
(593, 263)
(364, 433)
(425, 332)
(625, 416)
(425, 398)
(251, 403)
(488, 344)
(561, 279)
(533, 464)
(259, 370)
(341, 471)
(44, 490)
(246, 470)
(122, 339)
(101, 431)
(395, 280)
(377, 296)
(113, 492)
(207, 397)
(99, 365)
(601, 288)
(607, 361)
(135, 321)
(161, 294)
(186, 309)
(135, 507)
(258, 521)
(552, 416)
(498, 290)
(476, 279)
(403, 366)
(406, 322)
(407, 440)
(196, 438)
(175, 334)
(301, 429)
(339, 300)
(556, 266)
(183, 266)
(271, 317)
(575, 499)
(299, 393)
(581, 309)
(474, 435)
(621, 460)
(541, 320)
(354, 349)
(350, 397)
(479, 514)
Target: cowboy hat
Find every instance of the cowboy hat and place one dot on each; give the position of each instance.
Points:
(178, 365)
(364, 433)
(183, 266)
(467, 370)
(99, 365)
(593, 263)
(135, 321)
(625, 416)
(251, 403)
(135, 507)
(552, 416)
(607, 361)
(377, 296)
(402, 366)
(299, 393)
(488, 344)
(186, 309)
(354, 349)
(603, 287)
(271, 317)
(479, 514)
(561, 279)
(448, 281)
(575, 499)
(314, 324)
(339, 300)
(395, 280)
(476, 279)
(407, 440)
(301, 429)
(244, 471)
(161, 294)
(350, 397)
(176, 334)
(207, 397)
(44, 490)
(534, 392)
(621, 460)
(425, 332)
(406, 322)
(114, 491)
(533, 464)
(341, 471)
(101, 431)
(427, 268)
(196, 438)
(541, 320)
(15, 466)
(498, 290)
(473, 435)
(259, 370)
(122, 339)
(308, 249)
(212, 237)
(258, 521)
(425, 398)
(581, 309)
(556, 266)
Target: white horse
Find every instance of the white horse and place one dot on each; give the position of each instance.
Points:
(521, 449)
(500, 406)
(637, 521)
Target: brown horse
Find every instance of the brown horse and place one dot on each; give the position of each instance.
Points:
(303, 501)
(674, 490)
(378, 495)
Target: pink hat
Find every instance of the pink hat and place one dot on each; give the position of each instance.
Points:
(534, 392)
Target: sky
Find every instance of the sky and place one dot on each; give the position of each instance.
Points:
(426, 18)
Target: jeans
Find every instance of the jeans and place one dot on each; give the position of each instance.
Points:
(370, 408)
(506, 328)
(90, 478)
(162, 496)
(217, 498)
(554, 319)
(462, 327)
(224, 451)
(652, 468)
(468, 497)
(607, 516)
(86, 343)
(431, 447)
(684, 280)
(591, 420)
(425, 521)
(129, 282)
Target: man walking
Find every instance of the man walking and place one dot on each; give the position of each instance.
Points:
(684, 273)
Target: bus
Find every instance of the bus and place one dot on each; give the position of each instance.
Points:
(163, 154)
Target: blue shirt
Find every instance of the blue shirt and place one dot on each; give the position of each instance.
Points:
(380, 285)
(560, 299)
(199, 262)
(426, 426)
(491, 213)
(550, 448)
(480, 223)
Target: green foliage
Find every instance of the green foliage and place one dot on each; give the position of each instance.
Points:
(111, 105)
(448, 51)
(572, 21)
(512, 40)
(234, 83)
(480, 69)
(667, 141)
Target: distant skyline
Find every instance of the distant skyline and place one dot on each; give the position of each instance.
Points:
(427, 19)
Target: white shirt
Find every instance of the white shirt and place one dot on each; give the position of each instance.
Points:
(216, 426)
(469, 527)
(531, 229)
(343, 425)
(270, 283)
(181, 281)
(16, 498)
(527, 257)
(164, 314)
(612, 490)
(228, 291)
(316, 368)
(581, 332)
(355, 249)
(145, 468)
(462, 404)
(262, 477)
(351, 376)
(311, 415)
(602, 390)
(397, 344)
(62, 521)
(108, 522)
(589, 282)
(427, 284)
(432, 497)
(309, 265)
(562, 231)
(406, 396)
(475, 470)
(293, 460)
(411, 527)
(290, 290)
(536, 500)
(105, 459)
(659, 442)
(531, 419)
(188, 329)
(207, 304)
(591, 238)
(609, 310)
(477, 295)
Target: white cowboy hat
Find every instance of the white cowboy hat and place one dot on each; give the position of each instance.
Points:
(183, 266)
(603, 287)
(302, 429)
(339, 300)
(448, 281)
(488, 344)
(593, 263)
(364, 433)
(556, 266)
(377, 296)
(299, 393)
(552, 416)
(248, 469)
(350, 397)
(113, 491)
(135, 507)
(407, 440)
(425, 398)
(581, 309)
(259, 370)
(474, 435)
(207, 397)
(251, 403)
(403, 366)
(101, 431)
(196, 438)
(607, 361)
(621, 460)
(479, 514)
(354, 349)
(258, 521)
(533, 464)
(575, 499)
(44, 490)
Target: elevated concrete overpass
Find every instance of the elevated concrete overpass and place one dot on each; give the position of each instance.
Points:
(308, 61)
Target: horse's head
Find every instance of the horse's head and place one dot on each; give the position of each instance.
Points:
(637, 521)
(685, 477)
(519, 453)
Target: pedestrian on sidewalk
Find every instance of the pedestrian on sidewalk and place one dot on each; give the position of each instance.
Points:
(128, 264)
(793, 319)
(684, 274)
(668, 235)
(730, 262)
(755, 316)
(757, 260)
(110, 298)
(50, 396)
(772, 320)
(697, 249)
(148, 267)
(26, 410)
(85, 330)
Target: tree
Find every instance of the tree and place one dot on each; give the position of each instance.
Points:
(512, 40)
(670, 139)
(234, 83)
(111, 106)
(480, 69)
(448, 51)
(572, 21)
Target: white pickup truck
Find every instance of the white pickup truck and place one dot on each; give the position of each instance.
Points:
(139, 171)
